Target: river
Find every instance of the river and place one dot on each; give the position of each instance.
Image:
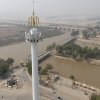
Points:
(21, 50)
(82, 71)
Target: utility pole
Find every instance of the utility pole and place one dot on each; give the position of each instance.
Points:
(33, 37)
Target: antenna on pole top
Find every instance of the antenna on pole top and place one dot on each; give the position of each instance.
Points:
(33, 8)
(33, 20)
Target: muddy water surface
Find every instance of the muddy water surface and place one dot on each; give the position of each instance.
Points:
(84, 72)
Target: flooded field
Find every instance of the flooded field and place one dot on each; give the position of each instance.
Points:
(84, 72)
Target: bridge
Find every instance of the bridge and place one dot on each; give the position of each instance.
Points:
(44, 55)
(13, 22)
(41, 57)
(67, 40)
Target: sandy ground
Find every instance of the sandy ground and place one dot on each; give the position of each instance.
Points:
(92, 42)
(11, 30)
(12, 34)
(78, 93)
(62, 88)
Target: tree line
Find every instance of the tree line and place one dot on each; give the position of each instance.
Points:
(95, 97)
(49, 31)
(51, 47)
(5, 64)
(41, 70)
(77, 52)
(75, 32)
(89, 34)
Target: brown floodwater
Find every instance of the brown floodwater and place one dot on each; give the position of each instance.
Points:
(21, 50)
(84, 72)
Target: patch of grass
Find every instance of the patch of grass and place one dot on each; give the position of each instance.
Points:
(95, 97)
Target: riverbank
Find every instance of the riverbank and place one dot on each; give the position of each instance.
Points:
(83, 71)
(16, 34)
(80, 91)
(90, 61)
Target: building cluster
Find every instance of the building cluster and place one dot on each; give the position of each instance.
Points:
(49, 80)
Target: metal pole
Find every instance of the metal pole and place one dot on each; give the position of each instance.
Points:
(35, 78)
(34, 37)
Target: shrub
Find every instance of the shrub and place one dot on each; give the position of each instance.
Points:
(95, 97)
(72, 77)
(43, 72)
(49, 67)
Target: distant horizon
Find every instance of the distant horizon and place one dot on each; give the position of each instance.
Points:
(25, 15)
(21, 9)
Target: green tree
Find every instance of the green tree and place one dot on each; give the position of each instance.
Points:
(39, 68)
(4, 66)
(95, 97)
(49, 67)
(52, 46)
(59, 49)
(43, 72)
(85, 34)
(75, 33)
(72, 77)
(10, 61)
(94, 34)
(78, 52)
(29, 67)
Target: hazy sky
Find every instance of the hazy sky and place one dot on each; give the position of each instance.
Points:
(52, 7)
